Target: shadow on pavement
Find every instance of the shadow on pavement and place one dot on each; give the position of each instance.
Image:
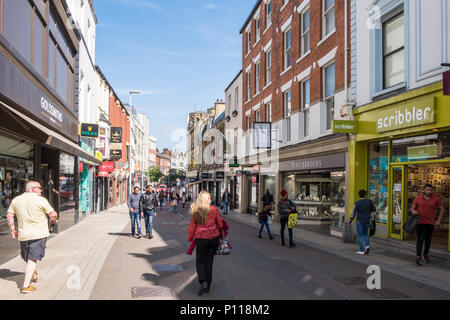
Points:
(17, 277)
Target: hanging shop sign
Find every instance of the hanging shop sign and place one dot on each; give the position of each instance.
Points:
(220, 175)
(345, 126)
(410, 114)
(107, 166)
(116, 154)
(99, 155)
(116, 143)
(262, 135)
(206, 176)
(89, 130)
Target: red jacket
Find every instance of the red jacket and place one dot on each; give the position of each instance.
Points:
(210, 230)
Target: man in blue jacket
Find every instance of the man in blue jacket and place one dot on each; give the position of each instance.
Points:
(363, 208)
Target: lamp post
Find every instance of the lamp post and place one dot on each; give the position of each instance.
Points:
(131, 149)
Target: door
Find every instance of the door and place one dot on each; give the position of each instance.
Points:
(398, 203)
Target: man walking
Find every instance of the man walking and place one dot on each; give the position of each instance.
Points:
(133, 205)
(161, 197)
(363, 208)
(147, 205)
(31, 209)
(426, 205)
(225, 200)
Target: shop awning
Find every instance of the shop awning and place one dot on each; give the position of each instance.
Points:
(54, 139)
(191, 184)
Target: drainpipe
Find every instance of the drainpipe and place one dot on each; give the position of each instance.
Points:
(346, 51)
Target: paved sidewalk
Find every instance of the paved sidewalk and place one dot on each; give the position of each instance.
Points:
(388, 258)
(76, 253)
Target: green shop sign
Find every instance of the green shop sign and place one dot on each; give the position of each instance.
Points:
(89, 130)
(419, 112)
(345, 126)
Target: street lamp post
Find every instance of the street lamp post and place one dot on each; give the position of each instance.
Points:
(131, 125)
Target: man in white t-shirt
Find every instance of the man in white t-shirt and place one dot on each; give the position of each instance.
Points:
(31, 209)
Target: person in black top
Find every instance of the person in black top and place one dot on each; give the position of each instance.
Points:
(263, 217)
(363, 208)
(267, 199)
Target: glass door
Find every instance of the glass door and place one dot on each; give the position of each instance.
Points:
(398, 202)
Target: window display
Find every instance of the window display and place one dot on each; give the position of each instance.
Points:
(427, 147)
(66, 192)
(378, 178)
(317, 197)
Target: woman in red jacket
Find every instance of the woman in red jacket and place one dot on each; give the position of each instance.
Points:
(205, 227)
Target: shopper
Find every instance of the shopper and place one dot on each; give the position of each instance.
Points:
(205, 228)
(135, 214)
(264, 220)
(148, 204)
(31, 210)
(161, 198)
(286, 207)
(174, 202)
(225, 201)
(426, 205)
(267, 199)
(183, 199)
(362, 209)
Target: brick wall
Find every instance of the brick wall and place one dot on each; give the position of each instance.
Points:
(118, 118)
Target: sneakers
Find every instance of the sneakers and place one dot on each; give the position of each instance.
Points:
(28, 290)
(360, 252)
(138, 236)
(367, 250)
(149, 236)
(427, 259)
(419, 261)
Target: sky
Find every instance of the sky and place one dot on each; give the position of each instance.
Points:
(181, 54)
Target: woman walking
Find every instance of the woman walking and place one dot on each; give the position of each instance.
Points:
(174, 203)
(183, 199)
(286, 207)
(205, 228)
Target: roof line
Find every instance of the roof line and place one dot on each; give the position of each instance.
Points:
(258, 2)
(237, 76)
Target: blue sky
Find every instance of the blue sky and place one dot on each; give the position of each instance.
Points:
(181, 54)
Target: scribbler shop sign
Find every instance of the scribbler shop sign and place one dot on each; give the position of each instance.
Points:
(345, 126)
(409, 115)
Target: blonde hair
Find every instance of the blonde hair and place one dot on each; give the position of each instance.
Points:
(200, 208)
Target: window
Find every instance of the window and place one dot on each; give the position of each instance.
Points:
(257, 77)
(287, 49)
(329, 84)
(268, 112)
(257, 116)
(17, 26)
(51, 62)
(328, 17)
(236, 98)
(61, 75)
(38, 45)
(305, 32)
(258, 29)
(393, 51)
(268, 13)
(287, 113)
(305, 87)
(248, 86)
(229, 102)
(249, 42)
(248, 122)
(268, 67)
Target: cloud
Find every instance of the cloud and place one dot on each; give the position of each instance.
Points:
(164, 52)
(141, 3)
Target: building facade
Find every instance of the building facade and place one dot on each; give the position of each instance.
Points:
(403, 123)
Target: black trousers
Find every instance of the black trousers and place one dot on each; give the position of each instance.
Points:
(205, 251)
(424, 234)
(284, 223)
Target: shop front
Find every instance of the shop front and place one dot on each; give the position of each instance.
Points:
(403, 143)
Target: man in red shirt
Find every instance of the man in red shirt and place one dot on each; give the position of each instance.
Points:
(426, 205)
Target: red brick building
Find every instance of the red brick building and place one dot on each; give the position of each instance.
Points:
(118, 182)
(296, 75)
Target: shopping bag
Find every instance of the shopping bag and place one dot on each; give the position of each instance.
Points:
(372, 227)
(410, 225)
(269, 220)
(224, 247)
(293, 220)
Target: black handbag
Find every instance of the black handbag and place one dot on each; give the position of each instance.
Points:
(410, 225)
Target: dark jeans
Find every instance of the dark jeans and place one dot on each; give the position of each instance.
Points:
(363, 237)
(205, 251)
(262, 227)
(284, 222)
(148, 216)
(135, 217)
(424, 233)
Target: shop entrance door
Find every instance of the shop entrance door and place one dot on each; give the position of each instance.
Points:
(398, 204)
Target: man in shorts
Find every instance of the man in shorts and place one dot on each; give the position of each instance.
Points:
(31, 209)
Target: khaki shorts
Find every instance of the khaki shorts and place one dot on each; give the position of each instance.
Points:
(33, 249)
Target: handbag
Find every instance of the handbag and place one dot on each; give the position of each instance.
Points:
(372, 227)
(224, 247)
(269, 220)
(410, 225)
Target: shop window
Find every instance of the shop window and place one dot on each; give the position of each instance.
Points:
(426, 147)
(378, 178)
(67, 182)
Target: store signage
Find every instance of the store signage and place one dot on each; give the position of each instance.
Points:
(345, 126)
(206, 176)
(51, 111)
(89, 130)
(323, 162)
(107, 166)
(220, 175)
(116, 143)
(116, 154)
(191, 180)
(421, 111)
(99, 155)
(262, 135)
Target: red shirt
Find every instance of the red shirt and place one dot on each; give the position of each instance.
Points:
(210, 230)
(427, 208)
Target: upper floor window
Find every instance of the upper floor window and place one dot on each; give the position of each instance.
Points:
(287, 113)
(248, 86)
(257, 116)
(249, 42)
(268, 67)
(305, 32)
(229, 102)
(393, 51)
(257, 77)
(328, 17)
(305, 94)
(268, 13)
(236, 98)
(287, 49)
(258, 29)
(248, 122)
(268, 112)
(329, 86)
